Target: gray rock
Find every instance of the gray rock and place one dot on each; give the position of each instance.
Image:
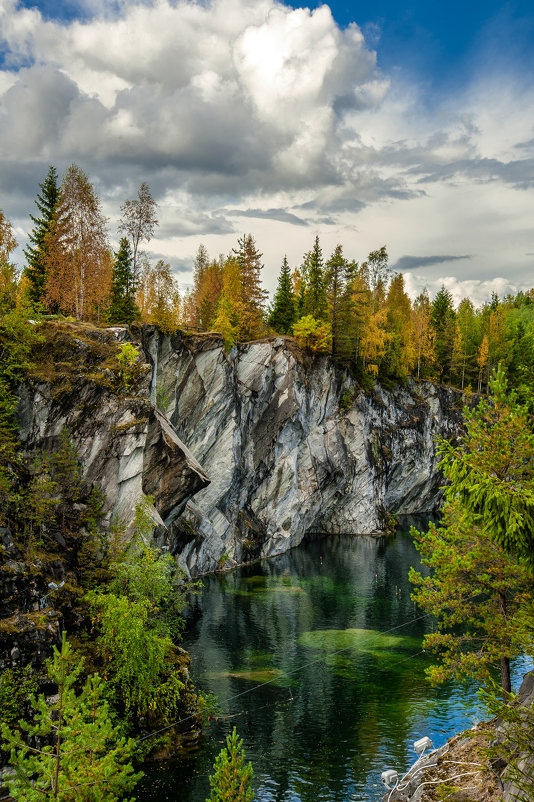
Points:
(284, 459)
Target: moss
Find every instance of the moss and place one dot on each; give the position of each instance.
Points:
(122, 427)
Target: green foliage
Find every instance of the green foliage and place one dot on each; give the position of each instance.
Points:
(231, 778)
(491, 471)
(516, 746)
(66, 470)
(17, 337)
(283, 314)
(16, 686)
(127, 357)
(123, 308)
(312, 334)
(314, 296)
(226, 321)
(443, 323)
(346, 399)
(480, 596)
(81, 757)
(37, 252)
(136, 616)
(134, 656)
(480, 589)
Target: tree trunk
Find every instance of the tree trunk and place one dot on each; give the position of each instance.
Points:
(505, 661)
(505, 676)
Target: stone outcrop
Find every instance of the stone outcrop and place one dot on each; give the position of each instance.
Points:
(243, 452)
(125, 446)
(291, 445)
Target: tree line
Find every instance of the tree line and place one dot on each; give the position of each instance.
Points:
(359, 312)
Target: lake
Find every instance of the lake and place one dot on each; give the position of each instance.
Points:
(315, 656)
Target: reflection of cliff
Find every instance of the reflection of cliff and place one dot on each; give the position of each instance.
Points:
(322, 725)
(283, 458)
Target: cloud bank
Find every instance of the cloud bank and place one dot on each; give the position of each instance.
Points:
(249, 112)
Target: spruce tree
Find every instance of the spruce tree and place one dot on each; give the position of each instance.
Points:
(252, 300)
(443, 321)
(123, 308)
(231, 779)
(284, 308)
(315, 296)
(37, 253)
(335, 279)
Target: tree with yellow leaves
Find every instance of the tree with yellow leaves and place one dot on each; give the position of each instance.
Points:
(80, 263)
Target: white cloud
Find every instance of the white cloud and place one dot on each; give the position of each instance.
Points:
(251, 105)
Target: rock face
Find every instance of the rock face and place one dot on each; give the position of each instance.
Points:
(124, 445)
(290, 446)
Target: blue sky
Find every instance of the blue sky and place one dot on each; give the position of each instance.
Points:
(368, 123)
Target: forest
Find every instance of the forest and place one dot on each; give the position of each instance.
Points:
(359, 312)
(124, 657)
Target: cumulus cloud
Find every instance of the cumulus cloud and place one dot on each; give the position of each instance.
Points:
(248, 93)
(479, 291)
(252, 110)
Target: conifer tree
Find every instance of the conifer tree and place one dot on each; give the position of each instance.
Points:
(81, 756)
(478, 593)
(36, 253)
(123, 308)
(231, 779)
(443, 323)
(482, 554)
(334, 280)
(283, 314)
(252, 296)
(491, 471)
(423, 333)
(314, 302)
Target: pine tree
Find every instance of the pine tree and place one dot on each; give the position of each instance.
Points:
(283, 314)
(123, 308)
(37, 253)
(81, 756)
(478, 593)
(231, 779)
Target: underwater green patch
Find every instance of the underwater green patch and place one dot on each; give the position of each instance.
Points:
(253, 675)
(370, 641)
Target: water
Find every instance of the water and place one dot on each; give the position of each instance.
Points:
(316, 658)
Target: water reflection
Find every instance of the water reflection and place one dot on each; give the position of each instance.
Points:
(295, 650)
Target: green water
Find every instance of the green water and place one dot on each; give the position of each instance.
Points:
(316, 658)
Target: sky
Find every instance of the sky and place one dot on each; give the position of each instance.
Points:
(369, 123)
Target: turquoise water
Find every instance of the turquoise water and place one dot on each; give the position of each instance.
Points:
(316, 658)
